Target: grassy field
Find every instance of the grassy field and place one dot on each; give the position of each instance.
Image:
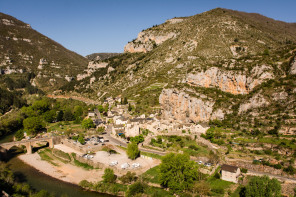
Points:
(153, 174)
(64, 126)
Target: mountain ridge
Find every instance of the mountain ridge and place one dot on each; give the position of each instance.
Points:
(230, 61)
(23, 49)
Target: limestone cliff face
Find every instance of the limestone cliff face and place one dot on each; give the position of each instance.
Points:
(255, 102)
(147, 40)
(230, 81)
(180, 106)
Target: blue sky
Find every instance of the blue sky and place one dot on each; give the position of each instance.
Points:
(90, 26)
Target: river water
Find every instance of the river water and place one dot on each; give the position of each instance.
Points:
(38, 180)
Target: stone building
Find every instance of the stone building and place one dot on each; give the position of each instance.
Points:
(230, 173)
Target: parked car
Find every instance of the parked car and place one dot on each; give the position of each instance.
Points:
(135, 165)
(208, 164)
(113, 163)
(124, 166)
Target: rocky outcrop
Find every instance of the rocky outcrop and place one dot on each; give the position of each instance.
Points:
(147, 40)
(174, 20)
(255, 102)
(293, 67)
(91, 68)
(233, 82)
(180, 106)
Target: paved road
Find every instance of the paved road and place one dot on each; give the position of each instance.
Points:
(282, 178)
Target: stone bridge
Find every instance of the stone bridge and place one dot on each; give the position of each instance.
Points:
(29, 144)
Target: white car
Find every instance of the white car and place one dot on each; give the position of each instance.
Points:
(200, 162)
(124, 166)
(113, 163)
(135, 165)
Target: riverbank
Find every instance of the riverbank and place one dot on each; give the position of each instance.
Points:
(63, 172)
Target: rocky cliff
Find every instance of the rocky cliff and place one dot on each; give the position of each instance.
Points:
(148, 40)
(180, 106)
(234, 82)
(220, 64)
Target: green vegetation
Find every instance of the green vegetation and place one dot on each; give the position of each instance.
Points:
(132, 151)
(87, 124)
(178, 172)
(62, 155)
(153, 175)
(261, 186)
(136, 188)
(109, 176)
(32, 125)
(45, 155)
(128, 178)
(137, 139)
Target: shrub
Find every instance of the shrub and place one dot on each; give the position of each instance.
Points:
(290, 170)
(109, 176)
(244, 170)
(128, 178)
(136, 188)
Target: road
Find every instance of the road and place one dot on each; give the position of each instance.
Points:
(282, 178)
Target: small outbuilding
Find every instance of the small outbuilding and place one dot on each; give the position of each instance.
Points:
(230, 173)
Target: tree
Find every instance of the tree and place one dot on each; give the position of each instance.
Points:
(100, 108)
(19, 135)
(125, 101)
(68, 116)
(49, 116)
(42, 193)
(78, 111)
(32, 125)
(137, 139)
(130, 107)
(178, 172)
(109, 176)
(41, 106)
(261, 187)
(202, 188)
(136, 188)
(87, 123)
(132, 150)
(290, 170)
(129, 177)
(81, 139)
(60, 116)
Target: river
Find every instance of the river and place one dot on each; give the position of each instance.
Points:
(40, 181)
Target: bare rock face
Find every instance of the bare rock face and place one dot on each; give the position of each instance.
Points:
(230, 81)
(255, 102)
(181, 106)
(293, 66)
(91, 68)
(279, 96)
(146, 41)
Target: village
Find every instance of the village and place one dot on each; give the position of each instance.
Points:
(118, 126)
